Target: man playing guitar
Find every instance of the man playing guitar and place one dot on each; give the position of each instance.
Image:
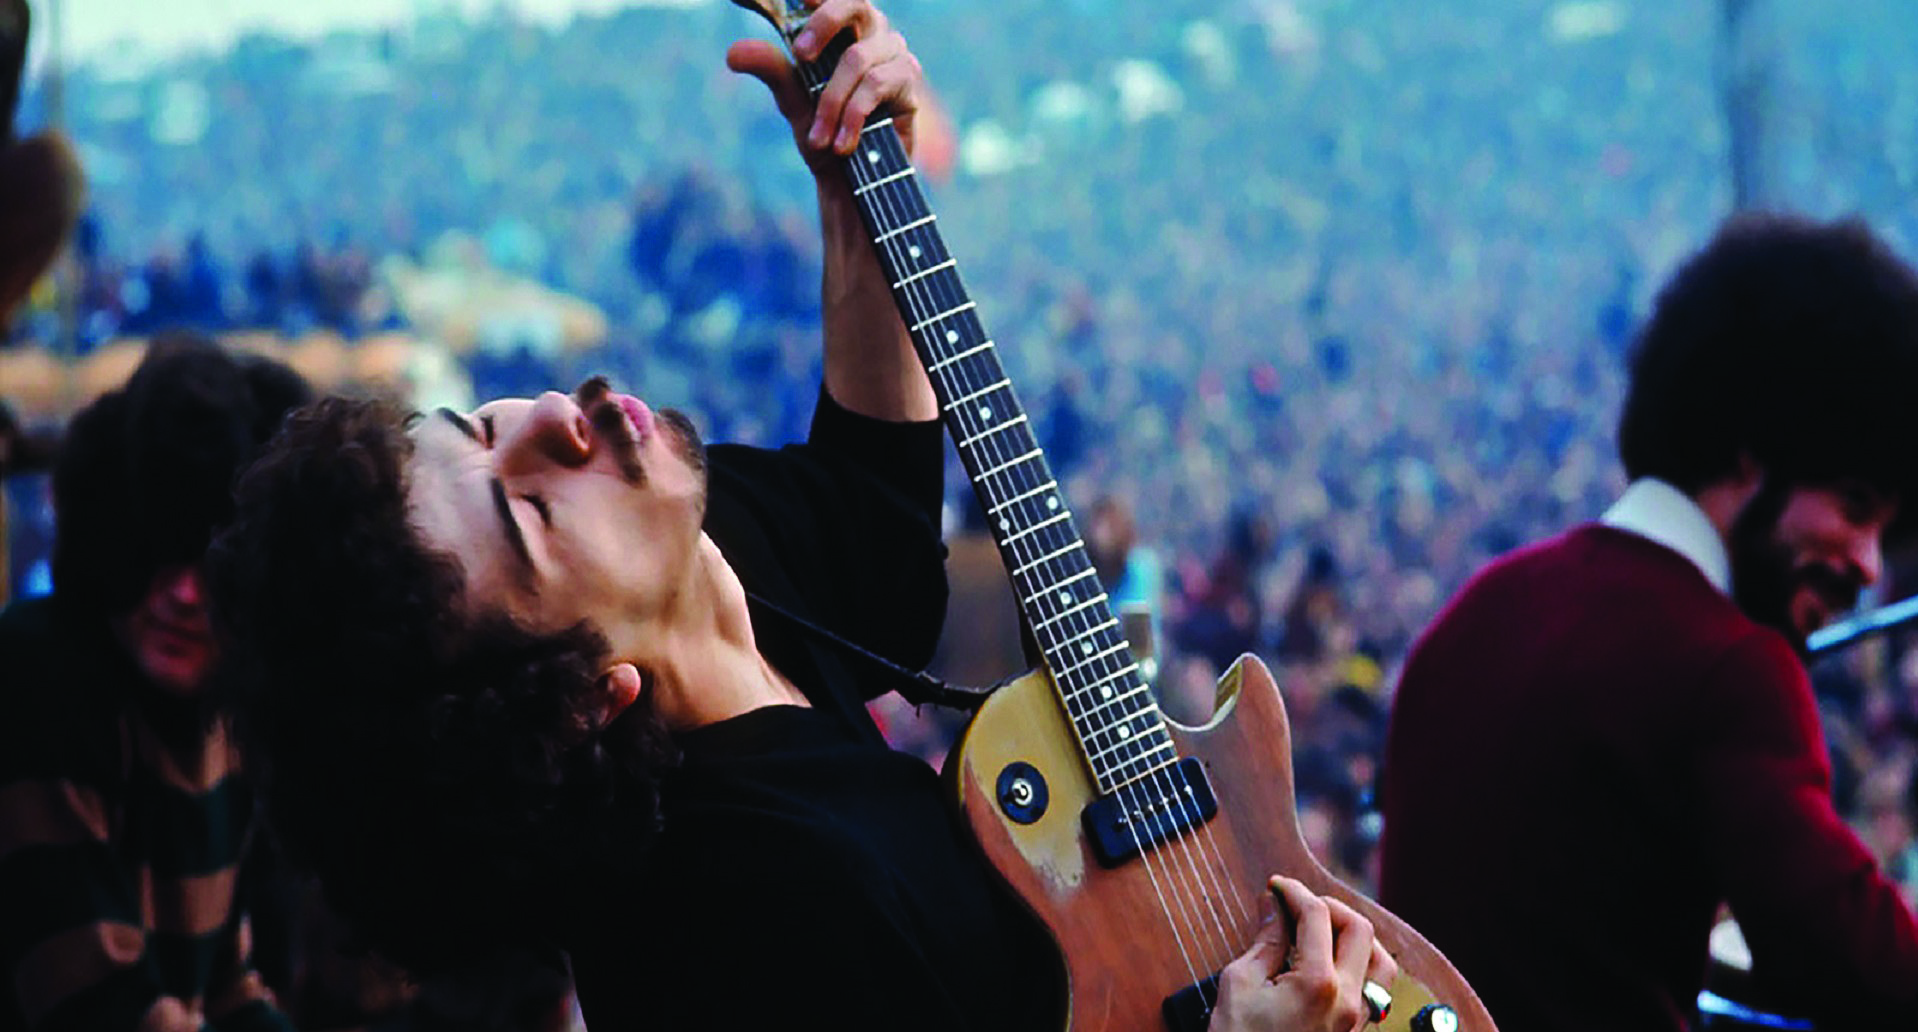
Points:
(512, 677)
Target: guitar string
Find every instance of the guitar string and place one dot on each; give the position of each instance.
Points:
(1227, 905)
(1199, 871)
(880, 196)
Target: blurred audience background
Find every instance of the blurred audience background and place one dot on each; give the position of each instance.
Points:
(1317, 305)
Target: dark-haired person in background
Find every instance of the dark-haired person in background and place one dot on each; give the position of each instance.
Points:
(122, 821)
(503, 672)
(1607, 735)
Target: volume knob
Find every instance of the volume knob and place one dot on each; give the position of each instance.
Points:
(1435, 1017)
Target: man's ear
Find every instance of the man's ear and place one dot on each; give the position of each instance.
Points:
(619, 686)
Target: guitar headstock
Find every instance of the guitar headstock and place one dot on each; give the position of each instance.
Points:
(787, 16)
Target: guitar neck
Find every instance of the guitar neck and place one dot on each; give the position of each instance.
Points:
(1121, 732)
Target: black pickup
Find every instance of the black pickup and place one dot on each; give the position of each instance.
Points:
(1149, 811)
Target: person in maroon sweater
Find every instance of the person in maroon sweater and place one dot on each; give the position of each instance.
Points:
(1607, 735)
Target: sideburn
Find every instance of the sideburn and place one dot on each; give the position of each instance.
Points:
(1761, 568)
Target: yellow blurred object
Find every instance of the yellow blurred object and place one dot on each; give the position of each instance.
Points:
(105, 369)
(381, 364)
(321, 357)
(264, 343)
(35, 383)
(459, 299)
(1362, 672)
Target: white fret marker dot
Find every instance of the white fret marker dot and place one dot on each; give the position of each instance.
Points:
(985, 413)
(1086, 648)
(1052, 502)
(1124, 731)
(952, 336)
(1064, 597)
(872, 156)
(1106, 692)
(1005, 524)
(913, 250)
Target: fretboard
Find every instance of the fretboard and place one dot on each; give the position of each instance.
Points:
(1120, 729)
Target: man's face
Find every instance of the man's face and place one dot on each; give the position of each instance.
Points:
(1800, 555)
(562, 509)
(169, 634)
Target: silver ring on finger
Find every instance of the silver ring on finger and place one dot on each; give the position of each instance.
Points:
(1378, 1000)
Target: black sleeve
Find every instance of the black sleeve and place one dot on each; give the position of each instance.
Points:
(845, 529)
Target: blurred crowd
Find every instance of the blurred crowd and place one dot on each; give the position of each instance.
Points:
(1319, 305)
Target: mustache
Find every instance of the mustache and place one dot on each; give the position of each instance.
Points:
(610, 423)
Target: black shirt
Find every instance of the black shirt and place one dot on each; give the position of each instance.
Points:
(809, 876)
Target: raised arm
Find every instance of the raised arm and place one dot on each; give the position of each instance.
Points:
(869, 361)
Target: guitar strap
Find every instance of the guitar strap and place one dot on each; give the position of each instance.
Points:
(915, 686)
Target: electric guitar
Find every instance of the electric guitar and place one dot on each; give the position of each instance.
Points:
(1144, 846)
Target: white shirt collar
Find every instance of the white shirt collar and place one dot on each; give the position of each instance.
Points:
(1654, 509)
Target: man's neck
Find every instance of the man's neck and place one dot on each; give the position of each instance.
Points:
(711, 669)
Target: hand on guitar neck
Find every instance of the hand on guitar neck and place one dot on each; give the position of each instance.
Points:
(870, 366)
(1306, 971)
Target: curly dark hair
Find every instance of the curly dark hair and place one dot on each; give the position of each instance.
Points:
(437, 767)
(146, 472)
(1791, 341)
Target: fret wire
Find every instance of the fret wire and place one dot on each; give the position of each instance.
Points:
(1120, 697)
(1090, 719)
(976, 395)
(1048, 558)
(915, 224)
(1096, 685)
(942, 316)
(1121, 677)
(923, 273)
(1038, 527)
(974, 350)
(1090, 659)
(1087, 572)
(1049, 485)
(876, 184)
(1074, 655)
(1092, 698)
(1140, 733)
(1011, 424)
(1140, 776)
(1094, 600)
(1129, 741)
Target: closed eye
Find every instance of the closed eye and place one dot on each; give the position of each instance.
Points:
(539, 506)
(486, 424)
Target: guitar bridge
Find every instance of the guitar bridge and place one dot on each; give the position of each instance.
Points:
(1160, 806)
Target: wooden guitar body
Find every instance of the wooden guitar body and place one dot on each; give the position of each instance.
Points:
(1122, 958)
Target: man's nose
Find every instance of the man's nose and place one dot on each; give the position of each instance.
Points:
(554, 430)
(1868, 559)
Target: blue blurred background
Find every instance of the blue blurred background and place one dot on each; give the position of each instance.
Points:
(1324, 300)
